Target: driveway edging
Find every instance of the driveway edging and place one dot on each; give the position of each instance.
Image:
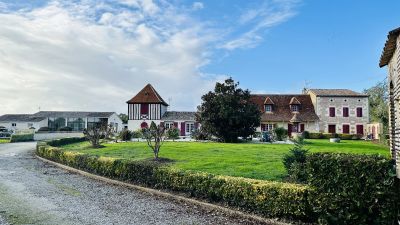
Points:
(166, 195)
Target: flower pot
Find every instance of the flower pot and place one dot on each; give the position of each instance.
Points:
(334, 140)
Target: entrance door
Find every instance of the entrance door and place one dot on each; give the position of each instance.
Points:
(302, 127)
(332, 129)
(289, 129)
(360, 129)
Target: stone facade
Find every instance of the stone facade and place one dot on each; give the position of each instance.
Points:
(391, 58)
(352, 123)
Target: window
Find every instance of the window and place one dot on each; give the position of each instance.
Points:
(332, 112)
(359, 112)
(144, 109)
(268, 127)
(294, 108)
(77, 124)
(346, 129)
(56, 123)
(189, 127)
(345, 112)
(268, 108)
(96, 122)
(360, 129)
(168, 125)
(14, 124)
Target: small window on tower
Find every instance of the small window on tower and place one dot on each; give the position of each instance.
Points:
(294, 108)
(268, 108)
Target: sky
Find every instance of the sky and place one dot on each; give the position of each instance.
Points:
(94, 55)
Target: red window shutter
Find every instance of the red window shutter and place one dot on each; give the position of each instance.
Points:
(176, 124)
(262, 127)
(345, 112)
(359, 112)
(144, 109)
(360, 129)
(332, 129)
(183, 129)
(332, 111)
(302, 127)
(196, 125)
(162, 124)
(346, 129)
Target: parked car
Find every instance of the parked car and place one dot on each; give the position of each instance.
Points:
(5, 133)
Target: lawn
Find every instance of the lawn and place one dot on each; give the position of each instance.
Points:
(259, 161)
(2, 141)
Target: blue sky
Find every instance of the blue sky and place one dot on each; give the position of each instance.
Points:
(83, 54)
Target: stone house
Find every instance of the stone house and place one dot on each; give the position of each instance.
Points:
(391, 58)
(293, 112)
(341, 111)
(148, 106)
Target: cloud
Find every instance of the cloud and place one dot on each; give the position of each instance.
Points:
(71, 57)
(197, 6)
(258, 20)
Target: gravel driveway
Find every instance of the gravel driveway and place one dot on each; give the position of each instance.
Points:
(33, 192)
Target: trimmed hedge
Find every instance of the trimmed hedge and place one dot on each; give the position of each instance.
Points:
(353, 189)
(21, 137)
(271, 199)
(309, 135)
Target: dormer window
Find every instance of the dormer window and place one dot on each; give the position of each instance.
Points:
(294, 108)
(268, 108)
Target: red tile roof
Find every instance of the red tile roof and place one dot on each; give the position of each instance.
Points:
(147, 95)
(390, 47)
(281, 111)
(336, 93)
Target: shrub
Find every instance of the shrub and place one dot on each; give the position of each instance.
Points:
(64, 141)
(200, 134)
(21, 137)
(352, 189)
(44, 129)
(280, 133)
(295, 160)
(272, 199)
(125, 135)
(173, 133)
(65, 129)
(137, 134)
(306, 134)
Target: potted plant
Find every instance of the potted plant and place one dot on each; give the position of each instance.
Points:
(335, 138)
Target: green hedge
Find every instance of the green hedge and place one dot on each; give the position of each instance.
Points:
(272, 199)
(64, 141)
(21, 137)
(353, 189)
(329, 135)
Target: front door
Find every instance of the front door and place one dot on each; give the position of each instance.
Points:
(360, 129)
(289, 129)
(332, 129)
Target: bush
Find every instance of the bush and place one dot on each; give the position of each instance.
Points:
(306, 134)
(295, 160)
(173, 133)
(63, 141)
(328, 135)
(125, 135)
(352, 189)
(200, 134)
(272, 199)
(280, 133)
(137, 134)
(44, 129)
(65, 129)
(21, 137)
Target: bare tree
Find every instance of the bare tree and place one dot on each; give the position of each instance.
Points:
(154, 136)
(98, 134)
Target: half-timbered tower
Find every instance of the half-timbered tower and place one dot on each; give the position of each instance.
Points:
(391, 58)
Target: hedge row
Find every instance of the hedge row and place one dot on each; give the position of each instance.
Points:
(21, 137)
(309, 135)
(353, 189)
(271, 199)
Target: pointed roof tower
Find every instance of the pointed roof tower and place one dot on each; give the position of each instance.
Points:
(147, 95)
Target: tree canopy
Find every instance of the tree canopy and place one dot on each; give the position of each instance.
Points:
(379, 104)
(227, 112)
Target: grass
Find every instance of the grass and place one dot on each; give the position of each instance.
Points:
(259, 161)
(2, 141)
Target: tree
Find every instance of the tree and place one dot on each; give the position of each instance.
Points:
(379, 104)
(173, 133)
(295, 161)
(154, 136)
(227, 113)
(98, 134)
(123, 117)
